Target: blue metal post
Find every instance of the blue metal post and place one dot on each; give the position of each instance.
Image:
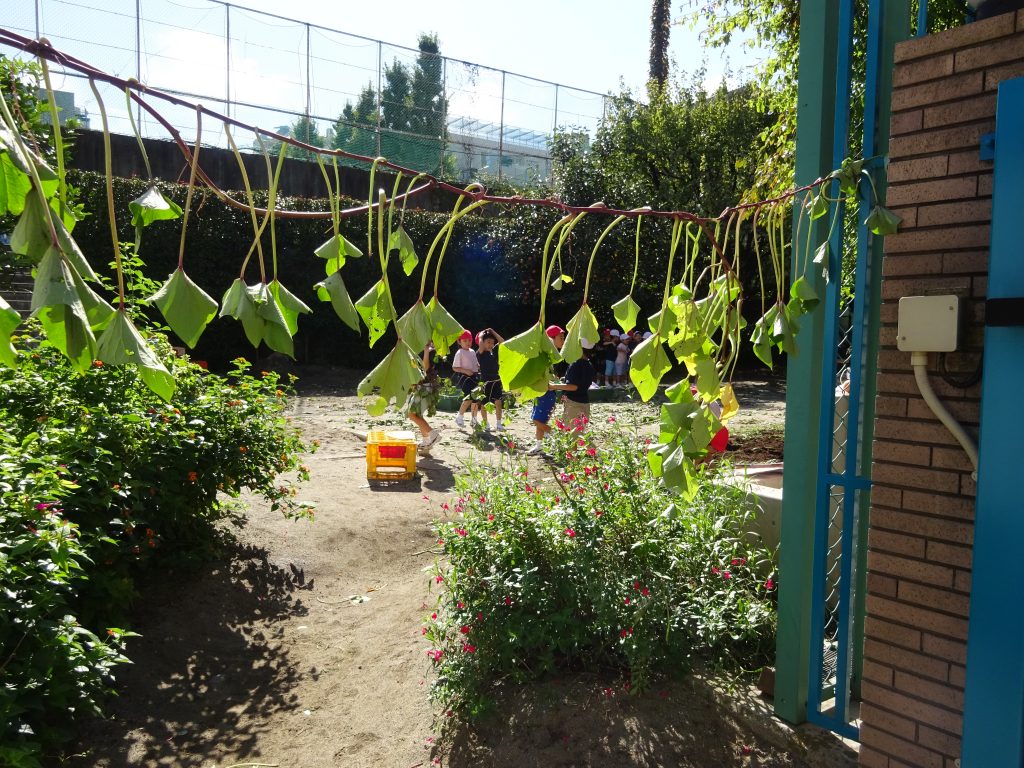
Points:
(993, 732)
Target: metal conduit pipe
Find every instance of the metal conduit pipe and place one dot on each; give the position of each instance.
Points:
(919, 362)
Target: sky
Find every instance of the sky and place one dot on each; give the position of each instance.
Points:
(594, 45)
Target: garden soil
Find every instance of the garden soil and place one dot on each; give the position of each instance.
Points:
(303, 648)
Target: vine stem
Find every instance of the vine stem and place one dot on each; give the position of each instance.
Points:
(257, 227)
(272, 182)
(108, 168)
(58, 139)
(191, 187)
(590, 265)
(135, 130)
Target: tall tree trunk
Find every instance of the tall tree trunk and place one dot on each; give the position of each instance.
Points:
(661, 21)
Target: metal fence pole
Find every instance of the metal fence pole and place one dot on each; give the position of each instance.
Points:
(501, 128)
(554, 127)
(138, 57)
(444, 113)
(380, 105)
(308, 82)
(227, 57)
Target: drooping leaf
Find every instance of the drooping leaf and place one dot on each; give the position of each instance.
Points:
(152, 206)
(336, 251)
(680, 392)
(375, 405)
(709, 385)
(122, 344)
(186, 307)
(291, 306)
(730, 405)
(803, 292)
(97, 309)
(821, 253)
(31, 235)
(276, 331)
(818, 206)
(72, 252)
(333, 290)
(761, 337)
(376, 310)
(9, 320)
(560, 281)
(393, 376)
(582, 326)
(57, 305)
(524, 362)
(647, 365)
(783, 332)
(414, 327)
(445, 329)
(23, 159)
(14, 185)
(882, 221)
(401, 242)
(626, 311)
(238, 303)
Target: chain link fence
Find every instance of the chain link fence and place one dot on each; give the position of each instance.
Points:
(329, 88)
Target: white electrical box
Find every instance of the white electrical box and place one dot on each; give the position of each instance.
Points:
(928, 323)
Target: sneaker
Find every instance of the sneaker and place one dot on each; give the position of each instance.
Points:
(429, 440)
(460, 421)
(499, 428)
(536, 450)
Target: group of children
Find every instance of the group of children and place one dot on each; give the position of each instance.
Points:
(616, 349)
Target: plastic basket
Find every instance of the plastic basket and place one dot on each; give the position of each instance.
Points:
(390, 455)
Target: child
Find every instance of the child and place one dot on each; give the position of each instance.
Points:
(578, 379)
(622, 353)
(422, 402)
(466, 368)
(546, 403)
(488, 360)
(606, 364)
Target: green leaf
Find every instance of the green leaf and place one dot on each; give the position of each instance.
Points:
(277, 332)
(336, 251)
(401, 242)
(582, 326)
(152, 206)
(524, 362)
(31, 235)
(803, 292)
(97, 310)
(238, 303)
(393, 376)
(57, 305)
(375, 405)
(291, 306)
(9, 320)
(626, 311)
(784, 332)
(680, 392)
(72, 252)
(821, 253)
(882, 221)
(414, 327)
(121, 344)
(709, 385)
(818, 206)
(23, 160)
(15, 185)
(444, 328)
(560, 281)
(376, 310)
(761, 337)
(333, 290)
(647, 365)
(186, 307)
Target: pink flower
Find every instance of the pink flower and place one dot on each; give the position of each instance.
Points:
(559, 424)
(464, 629)
(460, 605)
(490, 517)
(435, 655)
(467, 648)
(570, 455)
(483, 499)
(769, 585)
(445, 506)
(611, 419)
(581, 442)
(529, 488)
(426, 498)
(570, 533)
(460, 531)
(591, 451)
(714, 570)
(726, 575)
(439, 579)
(739, 561)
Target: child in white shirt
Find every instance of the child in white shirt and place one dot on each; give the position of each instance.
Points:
(466, 367)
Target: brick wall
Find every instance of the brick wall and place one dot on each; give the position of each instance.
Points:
(919, 561)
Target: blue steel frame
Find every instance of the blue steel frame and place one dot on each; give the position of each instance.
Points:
(851, 480)
(993, 733)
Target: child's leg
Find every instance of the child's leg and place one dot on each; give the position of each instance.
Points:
(464, 407)
(542, 429)
(420, 422)
(497, 410)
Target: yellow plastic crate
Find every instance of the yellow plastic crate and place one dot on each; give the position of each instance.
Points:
(390, 455)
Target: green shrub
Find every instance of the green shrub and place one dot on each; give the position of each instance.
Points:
(102, 483)
(594, 566)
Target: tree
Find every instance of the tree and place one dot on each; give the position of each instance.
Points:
(661, 25)
(305, 130)
(413, 109)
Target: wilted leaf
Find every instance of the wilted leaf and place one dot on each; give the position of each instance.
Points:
(333, 290)
(152, 206)
(336, 251)
(376, 310)
(445, 329)
(582, 326)
(9, 320)
(647, 365)
(626, 311)
(882, 221)
(393, 376)
(186, 307)
(414, 326)
(121, 344)
(401, 242)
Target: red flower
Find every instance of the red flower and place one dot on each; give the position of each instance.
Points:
(605, 486)
(581, 442)
(559, 424)
(490, 517)
(739, 561)
(626, 633)
(611, 419)
(433, 615)
(439, 579)
(435, 655)
(460, 531)
(636, 585)
(508, 601)
(467, 648)
(598, 512)
(645, 591)
(483, 499)
(608, 692)
(480, 616)
(714, 570)
(626, 601)
(445, 506)
(460, 605)
(591, 451)
(464, 629)
(769, 585)
(726, 575)
(570, 533)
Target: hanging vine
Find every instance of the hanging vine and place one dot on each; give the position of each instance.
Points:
(699, 321)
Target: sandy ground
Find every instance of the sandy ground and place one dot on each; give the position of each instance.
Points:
(266, 658)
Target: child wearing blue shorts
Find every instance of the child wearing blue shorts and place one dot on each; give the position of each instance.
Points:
(545, 404)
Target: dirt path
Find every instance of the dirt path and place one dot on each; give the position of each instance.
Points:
(266, 659)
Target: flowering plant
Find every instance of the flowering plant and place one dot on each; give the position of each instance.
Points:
(594, 564)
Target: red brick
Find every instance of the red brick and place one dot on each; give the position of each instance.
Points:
(887, 497)
(978, 108)
(915, 477)
(906, 122)
(1009, 49)
(963, 410)
(931, 68)
(962, 581)
(895, 543)
(932, 621)
(882, 585)
(985, 183)
(968, 486)
(923, 525)
(919, 431)
(965, 262)
(942, 693)
(951, 458)
(915, 193)
(900, 748)
(897, 634)
(878, 673)
(908, 706)
(902, 659)
(968, 161)
(958, 676)
(907, 568)
(929, 597)
(961, 212)
(899, 265)
(942, 647)
(958, 37)
(940, 741)
(918, 168)
(940, 552)
(890, 406)
(937, 504)
(979, 286)
(889, 722)
(870, 758)
(918, 240)
(902, 453)
(934, 140)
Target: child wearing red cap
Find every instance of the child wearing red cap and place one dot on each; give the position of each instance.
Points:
(489, 376)
(545, 404)
(466, 368)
